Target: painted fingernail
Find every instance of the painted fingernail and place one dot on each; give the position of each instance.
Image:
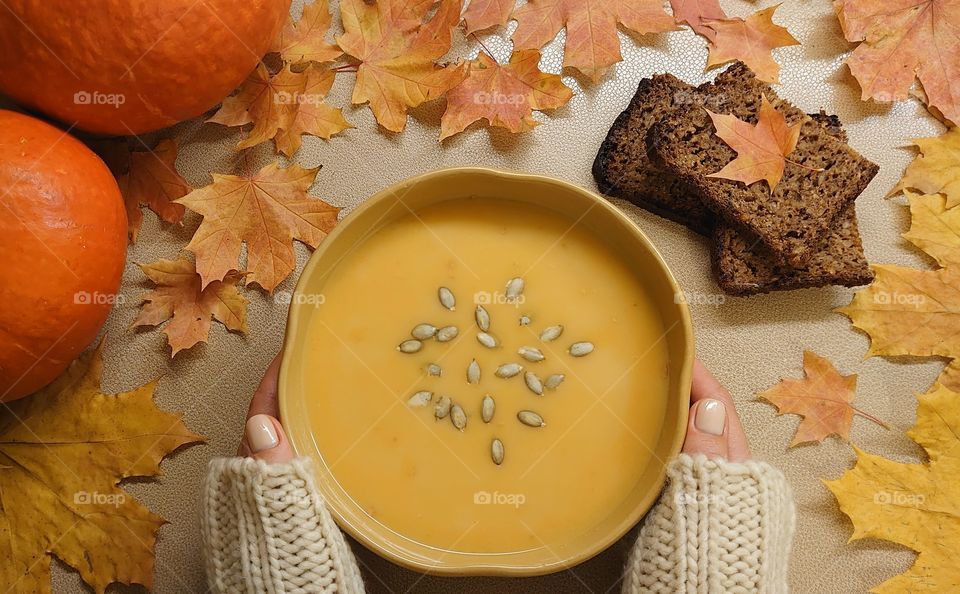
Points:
(261, 434)
(711, 417)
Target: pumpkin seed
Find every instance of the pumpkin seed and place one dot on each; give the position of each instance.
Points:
(508, 370)
(487, 340)
(533, 382)
(531, 354)
(524, 320)
(553, 381)
(447, 333)
(581, 349)
(423, 331)
(496, 451)
(420, 399)
(551, 333)
(442, 408)
(514, 288)
(410, 346)
(458, 417)
(447, 299)
(473, 372)
(434, 370)
(530, 418)
(483, 318)
(487, 408)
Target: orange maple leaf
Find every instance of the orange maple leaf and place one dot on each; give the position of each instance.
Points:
(179, 298)
(153, 181)
(823, 398)
(750, 41)
(397, 52)
(312, 116)
(761, 149)
(483, 14)
(305, 40)
(592, 44)
(696, 12)
(267, 211)
(904, 39)
(503, 95)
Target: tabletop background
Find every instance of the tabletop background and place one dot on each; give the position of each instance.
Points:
(750, 343)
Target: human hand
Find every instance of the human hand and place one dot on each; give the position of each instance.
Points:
(264, 438)
(714, 428)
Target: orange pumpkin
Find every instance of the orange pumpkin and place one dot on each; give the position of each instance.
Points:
(131, 66)
(63, 242)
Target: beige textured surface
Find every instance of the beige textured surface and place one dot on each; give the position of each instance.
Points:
(749, 343)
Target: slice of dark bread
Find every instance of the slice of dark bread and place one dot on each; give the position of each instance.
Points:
(795, 218)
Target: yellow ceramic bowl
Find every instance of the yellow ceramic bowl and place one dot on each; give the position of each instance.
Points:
(571, 202)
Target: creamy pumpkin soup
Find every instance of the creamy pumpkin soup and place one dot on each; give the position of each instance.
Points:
(496, 441)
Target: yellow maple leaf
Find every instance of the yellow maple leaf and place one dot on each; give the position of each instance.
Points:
(750, 41)
(934, 228)
(950, 378)
(63, 452)
(937, 169)
(305, 40)
(504, 95)
(267, 211)
(914, 505)
(397, 51)
(179, 298)
(909, 312)
(153, 181)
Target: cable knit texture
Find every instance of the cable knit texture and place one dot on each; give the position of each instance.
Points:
(267, 531)
(719, 527)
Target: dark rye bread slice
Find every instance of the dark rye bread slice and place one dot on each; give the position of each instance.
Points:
(795, 218)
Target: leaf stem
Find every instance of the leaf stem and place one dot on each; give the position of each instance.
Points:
(485, 49)
(870, 417)
(802, 166)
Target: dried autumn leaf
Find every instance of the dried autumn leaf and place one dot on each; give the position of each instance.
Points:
(934, 229)
(503, 95)
(696, 12)
(153, 181)
(823, 398)
(179, 298)
(305, 40)
(761, 149)
(592, 44)
(937, 169)
(483, 14)
(950, 378)
(750, 41)
(914, 505)
(267, 211)
(63, 452)
(397, 52)
(909, 312)
(312, 115)
(903, 39)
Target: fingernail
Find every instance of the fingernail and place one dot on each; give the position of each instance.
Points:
(711, 417)
(261, 434)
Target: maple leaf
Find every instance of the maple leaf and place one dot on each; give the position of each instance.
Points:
(503, 95)
(267, 211)
(63, 452)
(750, 41)
(696, 13)
(312, 115)
(305, 40)
(950, 378)
(483, 14)
(909, 312)
(761, 149)
(914, 505)
(179, 298)
(397, 52)
(823, 398)
(904, 39)
(152, 180)
(592, 43)
(934, 228)
(937, 169)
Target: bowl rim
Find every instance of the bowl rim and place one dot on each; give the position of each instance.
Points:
(685, 378)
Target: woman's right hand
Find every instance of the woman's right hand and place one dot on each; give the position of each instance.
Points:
(714, 428)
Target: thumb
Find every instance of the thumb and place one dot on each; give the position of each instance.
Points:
(707, 430)
(265, 439)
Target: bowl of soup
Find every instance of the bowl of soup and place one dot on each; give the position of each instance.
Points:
(490, 371)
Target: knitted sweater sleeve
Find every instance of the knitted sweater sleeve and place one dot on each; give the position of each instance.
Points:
(718, 527)
(267, 530)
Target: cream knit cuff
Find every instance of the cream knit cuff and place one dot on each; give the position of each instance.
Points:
(266, 530)
(718, 527)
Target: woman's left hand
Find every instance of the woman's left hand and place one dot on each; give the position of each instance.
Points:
(264, 438)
